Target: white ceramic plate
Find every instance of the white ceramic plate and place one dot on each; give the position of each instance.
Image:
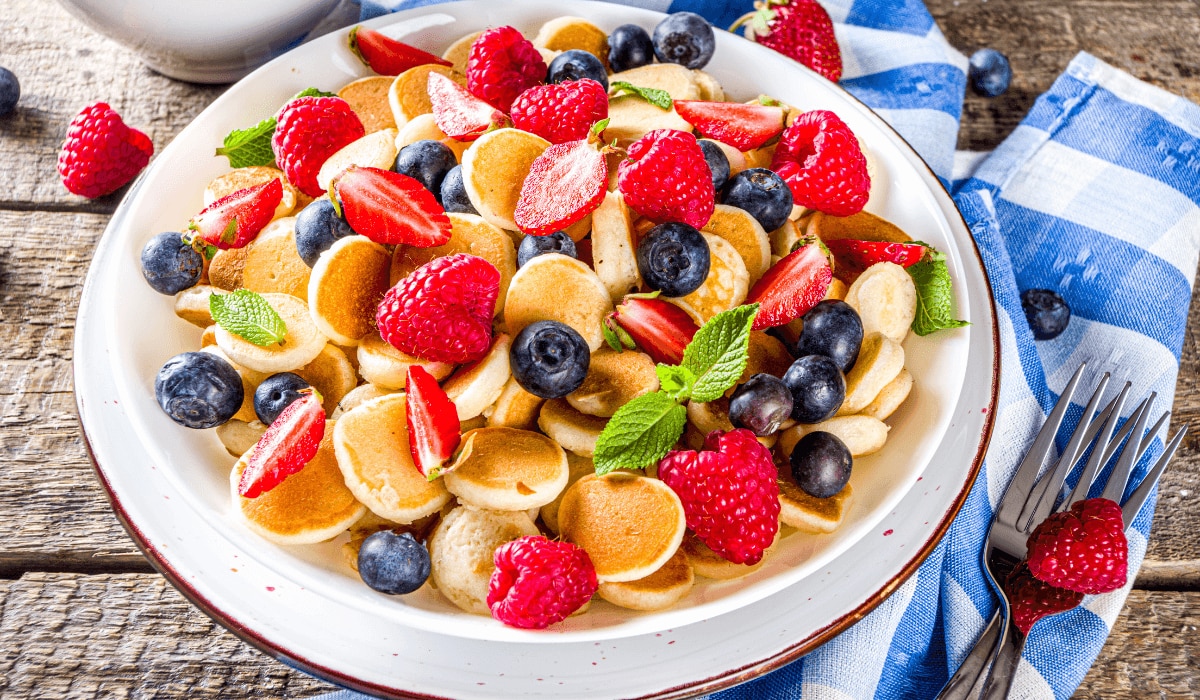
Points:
(169, 484)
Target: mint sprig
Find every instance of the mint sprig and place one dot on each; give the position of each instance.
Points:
(656, 97)
(718, 352)
(247, 315)
(675, 381)
(252, 146)
(640, 433)
(935, 311)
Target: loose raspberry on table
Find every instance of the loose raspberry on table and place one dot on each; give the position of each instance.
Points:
(307, 132)
(1031, 599)
(666, 178)
(501, 65)
(101, 153)
(562, 112)
(821, 161)
(1083, 549)
(538, 582)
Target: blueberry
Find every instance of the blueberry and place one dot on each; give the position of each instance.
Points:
(674, 259)
(760, 405)
(818, 388)
(549, 359)
(1046, 311)
(317, 228)
(576, 64)
(393, 564)
(989, 72)
(821, 464)
(762, 194)
(629, 46)
(10, 91)
(427, 161)
(533, 246)
(685, 38)
(454, 193)
(170, 265)
(832, 328)
(276, 393)
(718, 163)
(198, 390)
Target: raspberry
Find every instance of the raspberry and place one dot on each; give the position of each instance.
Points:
(308, 131)
(538, 582)
(730, 493)
(562, 112)
(501, 65)
(442, 312)
(1031, 599)
(1083, 549)
(820, 159)
(666, 178)
(801, 30)
(101, 153)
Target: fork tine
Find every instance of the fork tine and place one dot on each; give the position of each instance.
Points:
(1098, 453)
(1114, 489)
(1130, 510)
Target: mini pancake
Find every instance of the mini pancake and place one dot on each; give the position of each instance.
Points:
(890, 397)
(458, 51)
(862, 435)
(573, 430)
(462, 549)
(808, 514)
(632, 117)
(301, 344)
(241, 178)
(863, 226)
(386, 367)
(515, 407)
(226, 268)
(709, 564)
(759, 157)
(377, 149)
(331, 374)
(554, 287)
(209, 336)
(578, 230)
(629, 524)
(476, 386)
(547, 55)
(658, 591)
(726, 286)
(676, 80)
(272, 263)
(238, 436)
(408, 95)
(313, 505)
(371, 443)
(613, 252)
(709, 416)
(346, 286)
(192, 305)
(578, 467)
(566, 33)
(507, 469)
(784, 237)
(357, 397)
(613, 380)
(494, 169)
(880, 360)
(423, 127)
(886, 300)
(766, 355)
(368, 97)
(744, 233)
(710, 89)
(468, 234)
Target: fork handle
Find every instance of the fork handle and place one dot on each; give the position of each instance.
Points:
(1004, 669)
(967, 681)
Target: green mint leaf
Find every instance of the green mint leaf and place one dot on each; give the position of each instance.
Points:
(246, 147)
(640, 433)
(248, 316)
(676, 382)
(717, 354)
(932, 279)
(656, 97)
(313, 92)
(610, 337)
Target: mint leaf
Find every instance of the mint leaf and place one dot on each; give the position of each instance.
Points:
(656, 97)
(248, 316)
(676, 382)
(246, 147)
(932, 279)
(717, 354)
(640, 433)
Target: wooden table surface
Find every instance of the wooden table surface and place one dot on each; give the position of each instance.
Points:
(82, 614)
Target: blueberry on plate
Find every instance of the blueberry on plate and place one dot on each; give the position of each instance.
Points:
(762, 194)
(393, 564)
(533, 246)
(818, 388)
(1046, 311)
(821, 464)
(832, 328)
(674, 259)
(549, 359)
(426, 161)
(170, 265)
(198, 390)
(574, 65)
(989, 72)
(454, 193)
(685, 38)
(760, 405)
(10, 91)
(276, 393)
(629, 46)
(718, 163)
(318, 227)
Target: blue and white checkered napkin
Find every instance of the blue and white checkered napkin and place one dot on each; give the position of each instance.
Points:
(1096, 195)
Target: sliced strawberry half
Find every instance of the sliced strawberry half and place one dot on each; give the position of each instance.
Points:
(433, 428)
(391, 208)
(745, 127)
(791, 287)
(289, 443)
(385, 55)
(853, 257)
(566, 183)
(459, 114)
(235, 219)
(660, 329)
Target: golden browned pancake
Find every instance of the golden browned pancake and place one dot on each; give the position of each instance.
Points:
(241, 178)
(554, 287)
(458, 51)
(226, 268)
(272, 264)
(784, 237)
(862, 435)
(347, 284)
(880, 360)
(808, 514)
(494, 169)
(368, 97)
(709, 564)
(468, 234)
(767, 355)
(710, 89)
(331, 374)
(192, 305)
(613, 380)
(408, 95)
(724, 288)
(476, 386)
(507, 469)
(374, 150)
(573, 430)
(744, 233)
(516, 408)
(381, 364)
(632, 117)
(238, 436)
(566, 33)
(357, 397)
(863, 226)
(462, 550)
(890, 397)
(658, 591)
(301, 343)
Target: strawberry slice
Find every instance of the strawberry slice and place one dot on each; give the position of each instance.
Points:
(289, 443)
(791, 287)
(235, 219)
(385, 55)
(660, 329)
(433, 428)
(566, 183)
(853, 257)
(459, 114)
(391, 208)
(745, 127)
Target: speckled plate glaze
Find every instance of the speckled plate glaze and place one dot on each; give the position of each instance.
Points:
(302, 605)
